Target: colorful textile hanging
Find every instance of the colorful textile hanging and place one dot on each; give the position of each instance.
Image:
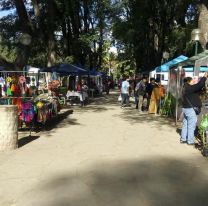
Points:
(9, 92)
(27, 112)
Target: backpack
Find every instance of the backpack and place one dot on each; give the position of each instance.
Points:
(140, 89)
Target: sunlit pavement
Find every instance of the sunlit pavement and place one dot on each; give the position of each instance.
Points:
(102, 155)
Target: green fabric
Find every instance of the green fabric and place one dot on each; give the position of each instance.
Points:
(9, 92)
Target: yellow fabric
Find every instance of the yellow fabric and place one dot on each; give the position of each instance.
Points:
(154, 102)
(153, 107)
(155, 94)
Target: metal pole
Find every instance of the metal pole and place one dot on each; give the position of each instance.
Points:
(177, 94)
(196, 48)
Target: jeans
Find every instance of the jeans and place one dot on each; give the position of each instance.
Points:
(189, 125)
(160, 104)
(124, 99)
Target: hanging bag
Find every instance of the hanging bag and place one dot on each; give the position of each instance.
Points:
(196, 109)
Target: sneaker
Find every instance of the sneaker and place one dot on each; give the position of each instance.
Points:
(191, 144)
(183, 142)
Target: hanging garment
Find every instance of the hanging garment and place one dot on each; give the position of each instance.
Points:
(2, 82)
(54, 76)
(28, 112)
(9, 92)
(9, 80)
(13, 88)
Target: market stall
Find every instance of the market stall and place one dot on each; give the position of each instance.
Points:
(70, 76)
(199, 65)
(96, 82)
(29, 91)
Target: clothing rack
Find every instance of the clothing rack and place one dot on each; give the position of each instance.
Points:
(16, 97)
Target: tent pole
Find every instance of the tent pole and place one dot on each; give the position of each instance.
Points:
(176, 106)
(177, 92)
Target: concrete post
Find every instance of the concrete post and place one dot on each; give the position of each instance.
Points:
(8, 127)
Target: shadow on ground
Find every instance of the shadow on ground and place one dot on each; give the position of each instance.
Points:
(26, 140)
(101, 104)
(108, 102)
(133, 116)
(61, 121)
(152, 182)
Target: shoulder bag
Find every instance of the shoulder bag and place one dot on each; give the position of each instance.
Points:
(196, 109)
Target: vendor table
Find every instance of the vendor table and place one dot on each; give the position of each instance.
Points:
(72, 97)
(72, 94)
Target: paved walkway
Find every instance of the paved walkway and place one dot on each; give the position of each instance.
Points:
(103, 155)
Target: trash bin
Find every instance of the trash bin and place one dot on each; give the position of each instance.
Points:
(8, 127)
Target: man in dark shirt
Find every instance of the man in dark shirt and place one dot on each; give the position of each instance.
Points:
(191, 104)
(150, 87)
(140, 92)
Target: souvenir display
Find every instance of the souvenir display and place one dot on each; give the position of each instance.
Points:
(20, 90)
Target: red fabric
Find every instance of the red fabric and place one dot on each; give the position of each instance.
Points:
(78, 88)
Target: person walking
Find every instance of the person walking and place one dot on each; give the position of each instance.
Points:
(82, 88)
(191, 106)
(140, 92)
(125, 88)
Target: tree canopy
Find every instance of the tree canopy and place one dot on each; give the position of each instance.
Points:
(46, 32)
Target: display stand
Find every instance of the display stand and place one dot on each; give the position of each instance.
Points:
(18, 88)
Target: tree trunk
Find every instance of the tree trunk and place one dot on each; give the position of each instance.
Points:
(36, 8)
(203, 24)
(86, 15)
(23, 17)
(51, 30)
(26, 27)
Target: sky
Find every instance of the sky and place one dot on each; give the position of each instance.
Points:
(4, 13)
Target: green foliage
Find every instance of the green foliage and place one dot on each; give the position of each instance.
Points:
(79, 31)
(168, 108)
(148, 28)
(202, 130)
(66, 28)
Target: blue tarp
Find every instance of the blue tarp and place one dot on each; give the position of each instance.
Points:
(165, 67)
(66, 69)
(69, 69)
(93, 72)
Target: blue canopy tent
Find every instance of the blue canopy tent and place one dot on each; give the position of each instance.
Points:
(65, 69)
(93, 72)
(161, 72)
(165, 67)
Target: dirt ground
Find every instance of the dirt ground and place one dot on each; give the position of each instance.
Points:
(103, 155)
